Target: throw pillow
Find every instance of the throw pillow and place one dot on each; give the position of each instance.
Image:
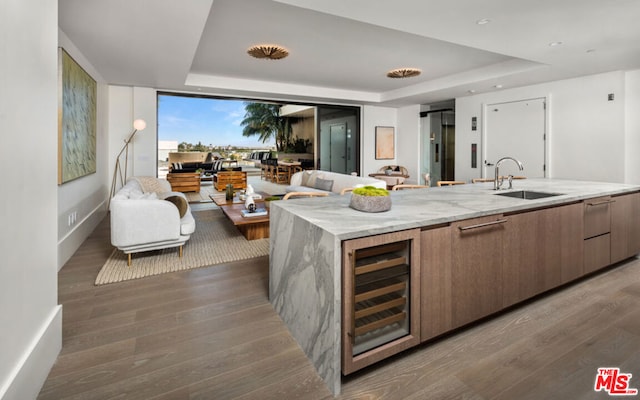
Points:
(305, 178)
(138, 195)
(312, 178)
(150, 196)
(149, 184)
(180, 203)
(323, 184)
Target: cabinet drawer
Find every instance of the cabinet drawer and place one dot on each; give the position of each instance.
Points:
(597, 216)
(597, 253)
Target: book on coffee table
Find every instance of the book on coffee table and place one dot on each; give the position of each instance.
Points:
(257, 213)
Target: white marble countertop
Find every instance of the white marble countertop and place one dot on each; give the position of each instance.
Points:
(437, 205)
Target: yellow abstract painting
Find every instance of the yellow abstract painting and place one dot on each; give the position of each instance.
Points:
(385, 142)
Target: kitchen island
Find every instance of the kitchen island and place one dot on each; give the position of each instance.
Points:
(466, 252)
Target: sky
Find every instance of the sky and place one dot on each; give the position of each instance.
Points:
(209, 121)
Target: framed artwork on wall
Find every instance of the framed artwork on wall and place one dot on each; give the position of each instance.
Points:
(385, 142)
(77, 108)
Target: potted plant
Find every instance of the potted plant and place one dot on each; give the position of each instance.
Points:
(370, 199)
(268, 200)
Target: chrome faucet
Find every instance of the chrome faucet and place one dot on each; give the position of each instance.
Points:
(498, 181)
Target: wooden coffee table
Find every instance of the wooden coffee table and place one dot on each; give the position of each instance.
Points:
(221, 199)
(251, 227)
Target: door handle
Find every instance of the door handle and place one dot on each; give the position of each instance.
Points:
(600, 203)
(488, 164)
(497, 222)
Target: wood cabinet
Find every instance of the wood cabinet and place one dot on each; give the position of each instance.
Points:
(380, 297)
(435, 282)
(476, 268)
(625, 227)
(542, 250)
(405, 287)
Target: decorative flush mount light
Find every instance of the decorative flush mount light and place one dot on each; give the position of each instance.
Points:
(404, 73)
(268, 51)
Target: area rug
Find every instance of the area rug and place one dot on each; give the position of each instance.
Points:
(215, 241)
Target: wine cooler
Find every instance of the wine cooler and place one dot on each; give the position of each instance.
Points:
(381, 297)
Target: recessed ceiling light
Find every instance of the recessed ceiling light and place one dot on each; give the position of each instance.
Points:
(591, 51)
(404, 72)
(483, 21)
(268, 51)
(553, 44)
(498, 86)
(472, 91)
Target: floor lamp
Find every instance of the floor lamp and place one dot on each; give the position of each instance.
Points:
(138, 125)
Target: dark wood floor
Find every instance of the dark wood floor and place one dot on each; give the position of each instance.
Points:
(211, 333)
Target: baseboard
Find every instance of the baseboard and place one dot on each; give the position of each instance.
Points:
(32, 370)
(68, 245)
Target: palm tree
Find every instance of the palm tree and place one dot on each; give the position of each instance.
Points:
(264, 119)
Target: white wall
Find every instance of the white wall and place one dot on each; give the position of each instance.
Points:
(127, 104)
(373, 116)
(586, 131)
(85, 196)
(408, 141)
(30, 319)
(632, 127)
(146, 155)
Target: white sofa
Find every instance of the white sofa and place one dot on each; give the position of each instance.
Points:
(307, 181)
(142, 220)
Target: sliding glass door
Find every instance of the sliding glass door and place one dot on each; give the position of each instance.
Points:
(339, 139)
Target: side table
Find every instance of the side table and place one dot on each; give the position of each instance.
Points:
(184, 181)
(237, 178)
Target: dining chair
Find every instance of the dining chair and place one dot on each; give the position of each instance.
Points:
(427, 179)
(450, 183)
(264, 170)
(480, 180)
(280, 174)
(304, 194)
(409, 186)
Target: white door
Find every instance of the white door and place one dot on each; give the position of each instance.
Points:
(515, 129)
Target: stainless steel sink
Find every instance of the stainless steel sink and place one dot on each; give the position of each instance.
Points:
(528, 194)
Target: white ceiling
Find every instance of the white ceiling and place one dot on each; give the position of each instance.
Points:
(341, 50)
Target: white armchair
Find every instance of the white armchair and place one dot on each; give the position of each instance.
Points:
(141, 220)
